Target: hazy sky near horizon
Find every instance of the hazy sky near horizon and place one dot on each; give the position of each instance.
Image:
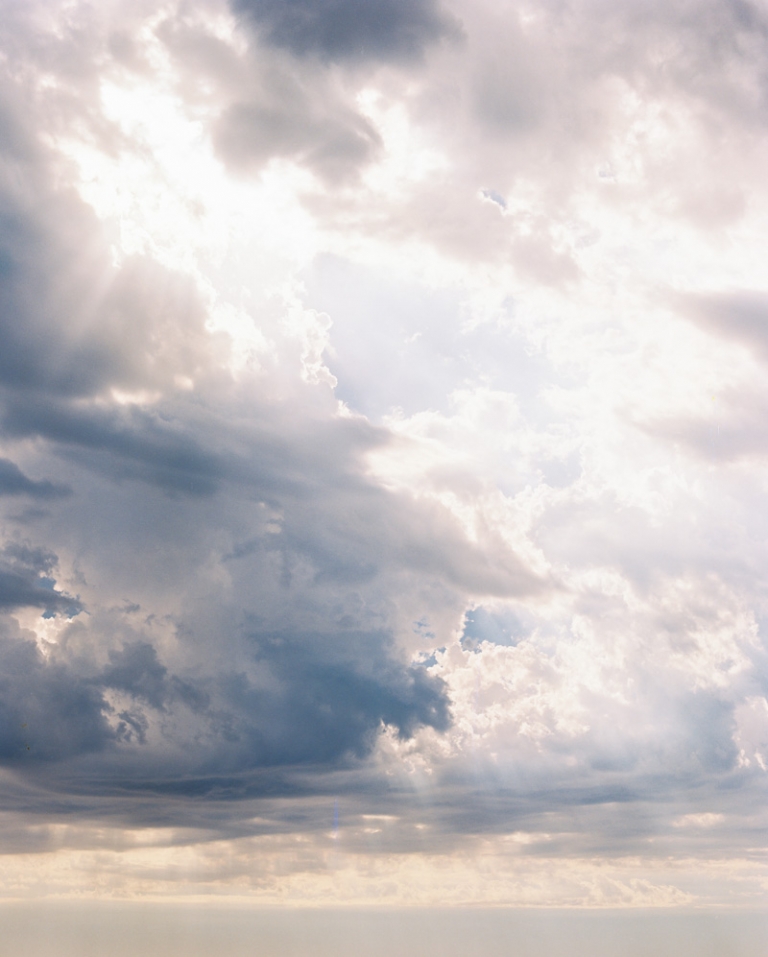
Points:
(383, 445)
(128, 929)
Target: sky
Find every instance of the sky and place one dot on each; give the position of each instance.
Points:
(383, 485)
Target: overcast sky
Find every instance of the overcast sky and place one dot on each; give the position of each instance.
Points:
(383, 438)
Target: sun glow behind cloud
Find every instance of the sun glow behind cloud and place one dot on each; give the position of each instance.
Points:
(170, 198)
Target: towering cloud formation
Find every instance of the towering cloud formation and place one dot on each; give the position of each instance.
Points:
(381, 399)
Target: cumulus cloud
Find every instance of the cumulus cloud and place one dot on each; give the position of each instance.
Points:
(379, 385)
(94, 353)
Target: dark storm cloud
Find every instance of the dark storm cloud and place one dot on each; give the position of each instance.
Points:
(294, 709)
(19, 590)
(14, 482)
(135, 668)
(195, 446)
(47, 711)
(349, 29)
(327, 696)
(122, 443)
(26, 581)
(303, 703)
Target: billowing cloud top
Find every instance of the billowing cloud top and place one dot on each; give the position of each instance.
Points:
(382, 390)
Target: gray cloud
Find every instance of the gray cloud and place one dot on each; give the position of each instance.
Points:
(335, 145)
(269, 106)
(349, 29)
(74, 327)
(25, 581)
(73, 323)
(48, 711)
(741, 316)
(301, 704)
(14, 482)
(64, 333)
(123, 443)
(248, 594)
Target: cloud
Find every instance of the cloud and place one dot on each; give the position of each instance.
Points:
(72, 323)
(269, 107)
(250, 133)
(739, 316)
(93, 351)
(349, 29)
(14, 482)
(376, 467)
(292, 706)
(48, 711)
(123, 442)
(25, 581)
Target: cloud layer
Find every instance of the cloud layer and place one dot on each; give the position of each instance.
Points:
(381, 422)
